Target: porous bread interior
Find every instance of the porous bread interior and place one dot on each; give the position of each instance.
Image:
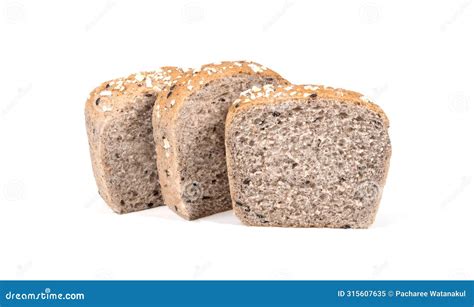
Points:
(201, 149)
(308, 163)
(128, 153)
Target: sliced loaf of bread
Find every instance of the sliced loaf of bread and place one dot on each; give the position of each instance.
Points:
(188, 125)
(306, 156)
(118, 121)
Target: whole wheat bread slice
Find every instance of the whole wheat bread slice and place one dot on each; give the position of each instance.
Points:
(118, 121)
(189, 135)
(306, 156)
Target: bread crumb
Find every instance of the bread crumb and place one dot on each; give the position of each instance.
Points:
(190, 87)
(256, 89)
(172, 102)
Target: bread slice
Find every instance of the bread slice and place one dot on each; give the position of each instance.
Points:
(306, 156)
(118, 121)
(189, 135)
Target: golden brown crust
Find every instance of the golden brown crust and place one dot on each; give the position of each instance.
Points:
(195, 80)
(277, 94)
(113, 94)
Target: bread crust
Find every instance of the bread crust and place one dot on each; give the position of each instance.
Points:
(167, 108)
(280, 94)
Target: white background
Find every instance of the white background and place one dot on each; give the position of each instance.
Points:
(414, 58)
